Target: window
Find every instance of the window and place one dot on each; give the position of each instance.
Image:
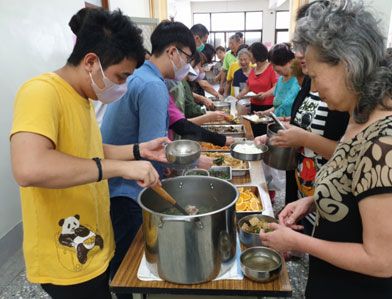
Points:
(202, 18)
(222, 25)
(282, 24)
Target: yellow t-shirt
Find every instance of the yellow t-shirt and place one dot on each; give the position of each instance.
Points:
(230, 74)
(68, 236)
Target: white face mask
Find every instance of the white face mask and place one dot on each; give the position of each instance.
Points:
(198, 76)
(201, 76)
(180, 73)
(111, 92)
(193, 77)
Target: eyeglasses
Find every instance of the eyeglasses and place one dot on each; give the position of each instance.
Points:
(189, 58)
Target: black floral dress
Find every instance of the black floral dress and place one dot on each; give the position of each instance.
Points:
(359, 168)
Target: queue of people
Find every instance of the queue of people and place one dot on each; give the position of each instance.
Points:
(81, 181)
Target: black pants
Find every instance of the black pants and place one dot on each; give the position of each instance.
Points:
(97, 288)
(259, 129)
(126, 218)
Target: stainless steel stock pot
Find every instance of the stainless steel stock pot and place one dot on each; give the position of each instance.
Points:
(190, 249)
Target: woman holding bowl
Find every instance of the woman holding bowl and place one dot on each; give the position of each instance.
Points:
(350, 250)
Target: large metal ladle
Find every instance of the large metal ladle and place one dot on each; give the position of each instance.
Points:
(189, 210)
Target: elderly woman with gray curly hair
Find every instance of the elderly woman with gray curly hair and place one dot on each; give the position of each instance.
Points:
(351, 247)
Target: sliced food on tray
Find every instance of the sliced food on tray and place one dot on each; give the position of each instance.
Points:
(222, 159)
(248, 201)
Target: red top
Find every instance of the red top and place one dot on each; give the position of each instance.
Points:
(261, 83)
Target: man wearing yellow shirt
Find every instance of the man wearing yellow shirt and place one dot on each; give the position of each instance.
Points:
(61, 165)
(230, 58)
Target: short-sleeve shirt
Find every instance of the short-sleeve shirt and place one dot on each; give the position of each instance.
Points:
(239, 77)
(262, 83)
(68, 237)
(228, 60)
(139, 116)
(230, 74)
(183, 98)
(284, 95)
(360, 167)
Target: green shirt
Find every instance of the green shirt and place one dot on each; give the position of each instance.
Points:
(228, 60)
(183, 98)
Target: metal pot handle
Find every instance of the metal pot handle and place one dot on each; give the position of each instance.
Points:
(195, 220)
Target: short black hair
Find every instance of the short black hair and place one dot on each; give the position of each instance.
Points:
(239, 34)
(220, 48)
(110, 35)
(259, 52)
(235, 37)
(199, 30)
(209, 52)
(196, 59)
(171, 33)
(281, 54)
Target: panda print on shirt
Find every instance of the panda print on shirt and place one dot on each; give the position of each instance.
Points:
(79, 237)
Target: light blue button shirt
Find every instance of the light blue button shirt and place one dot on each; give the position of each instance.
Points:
(140, 115)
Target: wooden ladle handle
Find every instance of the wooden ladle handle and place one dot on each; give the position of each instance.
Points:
(162, 192)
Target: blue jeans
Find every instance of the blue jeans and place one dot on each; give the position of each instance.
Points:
(126, 219)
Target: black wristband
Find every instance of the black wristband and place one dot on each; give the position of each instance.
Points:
(99, 166)
(136, 152)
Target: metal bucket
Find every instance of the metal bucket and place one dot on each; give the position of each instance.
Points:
(283, 158)
(190, 249)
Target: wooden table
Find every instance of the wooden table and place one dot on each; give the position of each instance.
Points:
(126, 281)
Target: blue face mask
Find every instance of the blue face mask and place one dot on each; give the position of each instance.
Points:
(200, 48)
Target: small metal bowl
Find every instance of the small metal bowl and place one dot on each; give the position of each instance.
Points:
(261, 264)
(222, 106)
(183, 152)
(248, 157)
(252, 239)
(197, 171)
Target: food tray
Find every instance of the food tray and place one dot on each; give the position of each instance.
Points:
(229, 130)
(236, 171)
(255, 190)
(209, 147)
(259, 120)
(223, 170)
(234, 121)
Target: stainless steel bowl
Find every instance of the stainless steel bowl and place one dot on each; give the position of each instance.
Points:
(183, 152)
(222, 106)
(248, 157)
(261, 263)
(252, 239)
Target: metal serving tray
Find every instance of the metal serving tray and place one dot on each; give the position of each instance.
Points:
(228, 130)
(256, 191)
